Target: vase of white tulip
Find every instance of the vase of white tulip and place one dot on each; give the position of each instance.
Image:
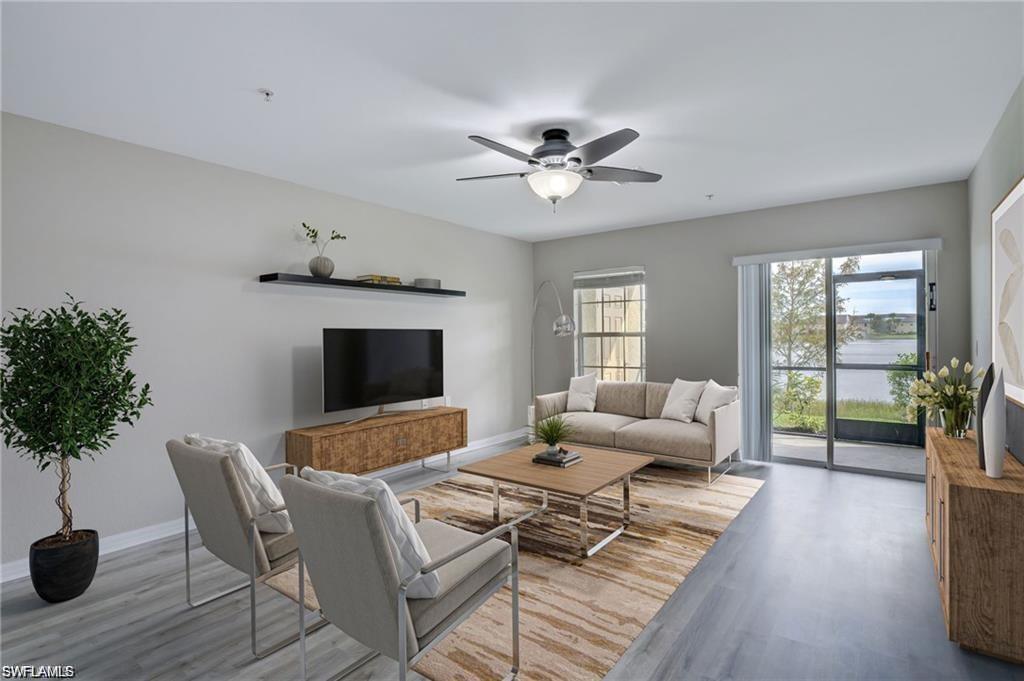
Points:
(950, 393)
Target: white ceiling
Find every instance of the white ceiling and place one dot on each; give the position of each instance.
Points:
(759, 104)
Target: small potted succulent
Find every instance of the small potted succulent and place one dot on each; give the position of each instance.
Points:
(321, 265)
(950, 393)
(66, 387)
(553, 430)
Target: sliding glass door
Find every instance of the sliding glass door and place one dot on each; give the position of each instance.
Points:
(799, 357)
(848, 337)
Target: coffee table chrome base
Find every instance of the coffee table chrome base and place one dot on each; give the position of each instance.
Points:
(585, 549)
(496, 498)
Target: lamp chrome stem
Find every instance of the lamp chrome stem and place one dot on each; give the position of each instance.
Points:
(533, 329)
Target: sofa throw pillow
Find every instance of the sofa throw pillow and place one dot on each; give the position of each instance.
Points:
(259, 489)
(407, 548)
(582, 393)
(713, 397)
(682, 399)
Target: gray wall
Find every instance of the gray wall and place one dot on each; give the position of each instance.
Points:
(1000, 167)
(692, 285)
(178, 244)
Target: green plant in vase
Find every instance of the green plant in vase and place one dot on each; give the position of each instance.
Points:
(66, 387)
(553, 430)
(321, 265)
(949, 393)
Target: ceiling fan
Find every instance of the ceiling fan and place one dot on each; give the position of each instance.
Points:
(559, 166)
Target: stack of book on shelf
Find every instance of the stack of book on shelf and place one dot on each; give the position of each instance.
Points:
(380, 279)
(563, 458)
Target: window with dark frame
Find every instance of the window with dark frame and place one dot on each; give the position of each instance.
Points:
(611, 324)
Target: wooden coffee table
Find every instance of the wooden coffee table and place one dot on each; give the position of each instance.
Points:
(598, 469)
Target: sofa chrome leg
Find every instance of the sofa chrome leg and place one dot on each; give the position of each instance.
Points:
(728, 468)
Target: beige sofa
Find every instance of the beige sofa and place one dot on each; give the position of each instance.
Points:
(627, 417)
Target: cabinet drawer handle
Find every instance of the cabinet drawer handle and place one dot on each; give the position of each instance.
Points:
(942, 557)
(931, 506)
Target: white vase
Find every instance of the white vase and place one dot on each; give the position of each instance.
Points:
(321, 266)
(993, 424)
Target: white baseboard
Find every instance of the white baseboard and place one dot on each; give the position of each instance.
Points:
(16, 569)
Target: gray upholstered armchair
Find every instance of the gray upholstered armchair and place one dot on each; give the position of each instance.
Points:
(358, 585)
(213, 495)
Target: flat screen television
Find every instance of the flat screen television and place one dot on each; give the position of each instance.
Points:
(369, 367)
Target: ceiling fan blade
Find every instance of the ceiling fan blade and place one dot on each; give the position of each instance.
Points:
(502, 149)
(594, 150)
(491, 177)
(609, 174)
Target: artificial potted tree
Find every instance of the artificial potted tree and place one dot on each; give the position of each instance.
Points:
(66, 386)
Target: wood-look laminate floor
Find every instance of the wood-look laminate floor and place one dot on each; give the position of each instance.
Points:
(823, 576)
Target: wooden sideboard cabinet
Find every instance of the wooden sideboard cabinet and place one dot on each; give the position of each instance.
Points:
(379, 442)
(976, 532)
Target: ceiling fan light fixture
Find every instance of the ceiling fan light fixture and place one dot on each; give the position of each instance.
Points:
(554, 185)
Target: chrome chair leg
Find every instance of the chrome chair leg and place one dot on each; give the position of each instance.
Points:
(286, 641)
(302, 617)
(403, 656)
(515, 602)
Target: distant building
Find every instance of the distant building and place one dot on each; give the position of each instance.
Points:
(893, 323)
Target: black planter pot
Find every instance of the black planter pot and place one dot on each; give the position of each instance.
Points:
(64, 571)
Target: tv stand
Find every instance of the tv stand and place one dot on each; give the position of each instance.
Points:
(375, 442)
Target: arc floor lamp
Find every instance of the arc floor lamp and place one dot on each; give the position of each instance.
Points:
(562, 327)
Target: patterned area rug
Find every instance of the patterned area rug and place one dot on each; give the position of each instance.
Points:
(577, 616)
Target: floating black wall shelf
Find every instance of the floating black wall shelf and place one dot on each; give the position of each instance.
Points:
(307, 280)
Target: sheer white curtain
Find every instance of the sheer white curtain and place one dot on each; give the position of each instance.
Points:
(755, 362)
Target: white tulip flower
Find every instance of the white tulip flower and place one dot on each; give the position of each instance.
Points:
(954, 362)
(968, 368)
(943, 372)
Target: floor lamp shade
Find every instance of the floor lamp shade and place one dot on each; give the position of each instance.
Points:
(564, 326)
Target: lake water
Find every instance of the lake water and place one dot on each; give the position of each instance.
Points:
(868, 385)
